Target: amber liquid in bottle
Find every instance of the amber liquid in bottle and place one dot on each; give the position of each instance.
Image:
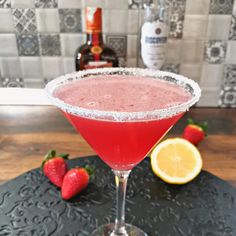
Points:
(94, 53)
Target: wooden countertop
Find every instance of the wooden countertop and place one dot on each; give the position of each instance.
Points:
(28, 132)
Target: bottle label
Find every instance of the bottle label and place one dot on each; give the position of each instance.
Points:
(96, 50)
(98, 64)
(153, 44)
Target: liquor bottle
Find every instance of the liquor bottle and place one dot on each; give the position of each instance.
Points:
(94, 53)
(154, 34)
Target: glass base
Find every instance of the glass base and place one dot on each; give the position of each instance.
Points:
(106, 230)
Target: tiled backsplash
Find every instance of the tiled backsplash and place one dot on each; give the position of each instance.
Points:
(38, 39)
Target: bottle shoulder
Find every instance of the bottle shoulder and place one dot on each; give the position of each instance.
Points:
(86, 48)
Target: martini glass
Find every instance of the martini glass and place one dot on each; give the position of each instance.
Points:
(117, 113)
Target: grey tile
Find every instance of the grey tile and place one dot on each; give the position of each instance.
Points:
(12, 82)
(177, 5)
(221, 6)
(232, 30)
(228, 97)
(176, 25)
(70, 20)
(215, 51)
(174, 68)
(5, 3)
(176, 18)
(135, 4)
(50, 44)
(118, 43)
(229, 79)
(28, 44)
(34, 83)
(24, 20)
(46, 3)
(122, 61)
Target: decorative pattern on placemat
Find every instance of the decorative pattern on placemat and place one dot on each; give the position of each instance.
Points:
(206, 206)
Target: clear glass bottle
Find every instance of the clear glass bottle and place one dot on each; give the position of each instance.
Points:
(154, 33)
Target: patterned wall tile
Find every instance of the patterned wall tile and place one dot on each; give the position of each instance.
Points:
(232, 30)
(46, 3)
(5, 3)
(50, 44)
(177, 18)
(70, 20)
(177, 5)
(229, 76)
(28, 44)
(135, 4)
(215, 51)
(24, 20)
(221, 6)
(228, 97)
(118, 43)
(176, 25)
(12, 82)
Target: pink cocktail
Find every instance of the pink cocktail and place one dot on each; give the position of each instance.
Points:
(122, 114)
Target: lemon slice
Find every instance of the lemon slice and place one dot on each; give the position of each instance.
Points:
(176, 161)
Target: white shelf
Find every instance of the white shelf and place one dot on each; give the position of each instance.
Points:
(23, 96)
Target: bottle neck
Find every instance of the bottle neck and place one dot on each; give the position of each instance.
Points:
(94, 38)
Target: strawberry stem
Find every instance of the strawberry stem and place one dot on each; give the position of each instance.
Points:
(90, 170)
(51, 154)
(203, 125)
(64, 155)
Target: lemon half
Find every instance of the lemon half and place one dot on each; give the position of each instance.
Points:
(176, 161)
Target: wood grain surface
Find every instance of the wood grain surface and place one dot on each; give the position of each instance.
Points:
(28, 132)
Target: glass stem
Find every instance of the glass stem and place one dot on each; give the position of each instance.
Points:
(121, 178)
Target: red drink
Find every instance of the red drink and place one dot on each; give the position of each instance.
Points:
(122, 143)
(122, 113)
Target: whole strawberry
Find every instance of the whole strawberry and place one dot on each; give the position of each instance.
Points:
(195, 132)
(75, 181)
(55, 167)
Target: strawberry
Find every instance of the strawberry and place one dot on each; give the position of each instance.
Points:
(195, 132)
(55, 167)
(75, 181)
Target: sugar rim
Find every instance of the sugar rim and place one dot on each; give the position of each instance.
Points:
(124, 116)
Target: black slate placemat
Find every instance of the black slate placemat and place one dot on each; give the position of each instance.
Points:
(31, 205)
